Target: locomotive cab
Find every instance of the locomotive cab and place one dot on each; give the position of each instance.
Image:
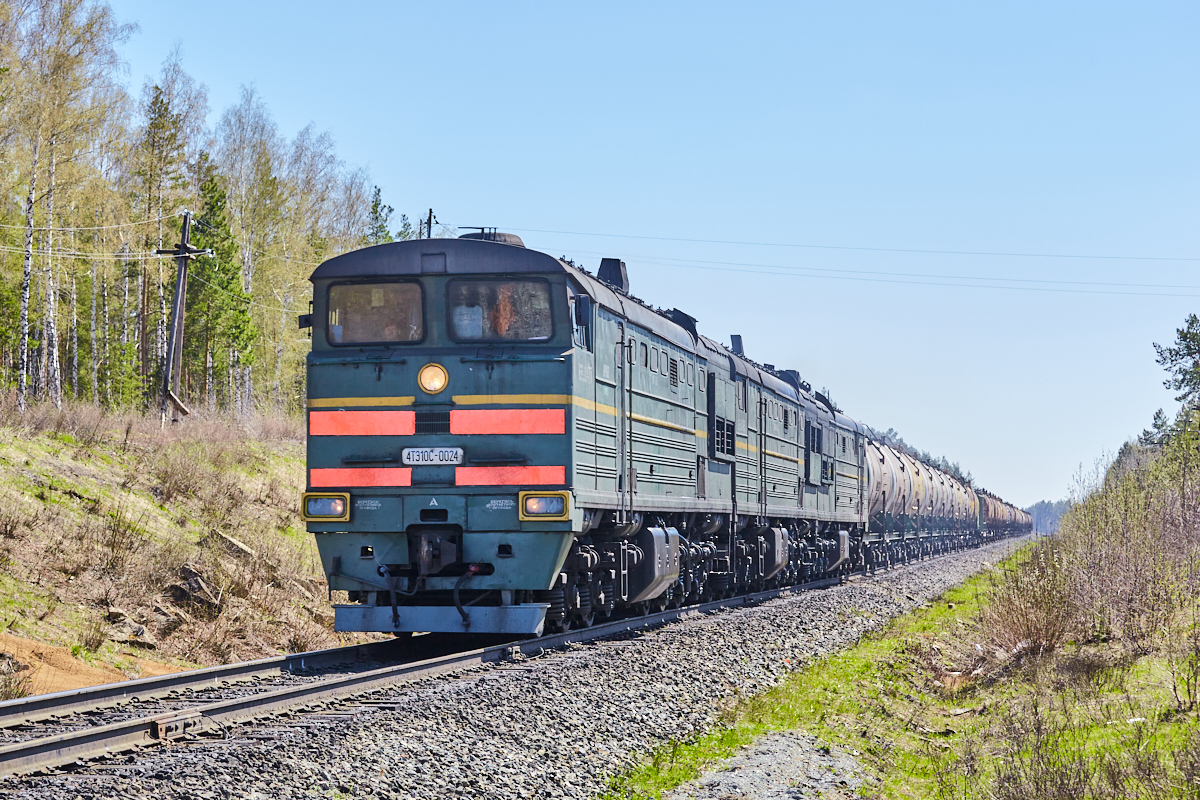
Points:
(437, 409)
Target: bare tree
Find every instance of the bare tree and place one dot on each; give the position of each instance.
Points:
(67, 53)
(248, 153)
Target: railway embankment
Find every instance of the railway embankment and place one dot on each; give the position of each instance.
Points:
(557, 725)
(1071, 670)
(129, 550)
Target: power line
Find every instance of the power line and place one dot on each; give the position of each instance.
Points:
(687, 261)
(791, 274)
(287, 260)
(75, 254)
(862, 249)
(93, 227)
(245, 299)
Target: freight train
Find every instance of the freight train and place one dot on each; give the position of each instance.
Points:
(501, 442)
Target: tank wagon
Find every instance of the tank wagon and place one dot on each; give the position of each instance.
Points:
(502, 442)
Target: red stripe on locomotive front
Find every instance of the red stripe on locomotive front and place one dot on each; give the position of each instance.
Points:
(510, 476)
(360, 476)
(362, 423)
(509, 420)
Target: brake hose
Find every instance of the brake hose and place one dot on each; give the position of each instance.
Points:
(466, 576)
(391, 582)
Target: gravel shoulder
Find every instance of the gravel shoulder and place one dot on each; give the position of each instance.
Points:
(781, 766)
(553, 726)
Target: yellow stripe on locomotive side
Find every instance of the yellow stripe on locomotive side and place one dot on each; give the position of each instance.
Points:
(342, 402)
(662, 424)
(514, 399)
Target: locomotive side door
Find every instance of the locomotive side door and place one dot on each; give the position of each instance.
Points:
(608, 381)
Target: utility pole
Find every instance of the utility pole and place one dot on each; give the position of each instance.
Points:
(429, 226)
(170, 389)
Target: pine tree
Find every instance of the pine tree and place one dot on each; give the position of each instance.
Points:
(406, 231)
(381, 214)
(1182, 361)
(217, 323)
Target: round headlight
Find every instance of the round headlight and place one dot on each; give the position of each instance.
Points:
(432, 378)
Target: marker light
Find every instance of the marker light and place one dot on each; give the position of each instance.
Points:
(432, 378)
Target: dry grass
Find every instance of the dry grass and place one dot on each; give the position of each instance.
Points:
(1124, 567)
(91, 425)
(1030, 608)
(1092, 645)
(92, 637)
(15, 685)
(111, 509)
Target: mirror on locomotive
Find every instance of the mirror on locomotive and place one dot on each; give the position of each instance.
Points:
(581, 317)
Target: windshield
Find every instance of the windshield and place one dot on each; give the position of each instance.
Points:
(375, 313)
(500, 310)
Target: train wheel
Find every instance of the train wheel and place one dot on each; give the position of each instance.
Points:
(556, 615)
(585, 615)
(603, 603)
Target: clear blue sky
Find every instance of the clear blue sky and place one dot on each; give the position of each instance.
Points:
(1068, 128)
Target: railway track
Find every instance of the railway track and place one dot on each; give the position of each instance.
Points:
(51, 731)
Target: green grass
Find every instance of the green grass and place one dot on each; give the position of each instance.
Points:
(881, 702)
(21, 604)
(842, 699)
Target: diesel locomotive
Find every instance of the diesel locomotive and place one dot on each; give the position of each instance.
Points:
(501, 442)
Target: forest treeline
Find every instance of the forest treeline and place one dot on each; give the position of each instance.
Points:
(96, 178)
(893, 439)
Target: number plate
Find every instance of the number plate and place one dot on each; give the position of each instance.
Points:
(431, 456)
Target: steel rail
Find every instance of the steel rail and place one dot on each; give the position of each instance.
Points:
(102, 740)
(66, 748)
(27, 710)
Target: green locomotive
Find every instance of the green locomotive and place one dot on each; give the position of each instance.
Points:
(502, 442)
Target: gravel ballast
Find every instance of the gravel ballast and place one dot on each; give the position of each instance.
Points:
(781, 766)
(553, 726)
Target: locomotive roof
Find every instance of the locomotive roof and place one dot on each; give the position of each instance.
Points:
(476, 255)
(461, 256)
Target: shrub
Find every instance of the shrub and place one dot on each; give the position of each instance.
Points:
(15, 685)
(1030, 610)
(92, 635)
